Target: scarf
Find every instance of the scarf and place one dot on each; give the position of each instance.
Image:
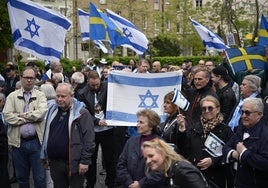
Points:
(209, 125)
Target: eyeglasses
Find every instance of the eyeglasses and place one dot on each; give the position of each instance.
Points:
(207, 108)
(247, 112)
(28, 78)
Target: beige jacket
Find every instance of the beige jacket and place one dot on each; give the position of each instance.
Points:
(14, 116)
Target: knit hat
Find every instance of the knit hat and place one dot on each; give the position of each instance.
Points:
(220, 70)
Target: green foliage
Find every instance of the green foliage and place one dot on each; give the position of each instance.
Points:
(166, 45)
(5, 29)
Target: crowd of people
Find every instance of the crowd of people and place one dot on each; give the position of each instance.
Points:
(53, 126)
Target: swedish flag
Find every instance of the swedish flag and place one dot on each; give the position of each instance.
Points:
(248, 58)
(263, 32)
(97, 27)
(102, 28)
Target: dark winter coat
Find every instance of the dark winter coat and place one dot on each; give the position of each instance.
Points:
(131, 167)
(252, 171)
(192, 141)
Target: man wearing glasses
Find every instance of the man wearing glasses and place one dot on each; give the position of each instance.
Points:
(249, 146)
(24, 112)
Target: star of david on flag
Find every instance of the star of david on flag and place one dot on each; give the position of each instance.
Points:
(210, 40)
(214, 145)
(37, 30)
(138, 40)
(148, 96)
(130, 92)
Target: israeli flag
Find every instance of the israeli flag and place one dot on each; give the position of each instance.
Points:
(130, 92)
(210, 40)
(138, 40)
(214, 145)
(180, 100)
(37, 30)
(83, 18)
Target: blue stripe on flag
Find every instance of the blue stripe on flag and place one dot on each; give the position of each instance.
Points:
(139, 82)
(216, 138)
(85, 35)
(40, 13)
(82, 13)
(122, 116)
(128, 24)
(40, 49)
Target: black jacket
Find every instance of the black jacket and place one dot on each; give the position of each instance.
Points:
(252, 171)
(131, 167)
(227, 100)
(185, 175)
(87, 95)
(192, 141)
(194, 96)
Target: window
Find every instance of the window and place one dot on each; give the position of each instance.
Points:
(102, 2)
(85, 47)
(168, 25)
(156, 5)
(144, 21)
(132, 17)
(198, 4)
(63, 11)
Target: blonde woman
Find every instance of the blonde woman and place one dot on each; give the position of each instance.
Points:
(160, 156)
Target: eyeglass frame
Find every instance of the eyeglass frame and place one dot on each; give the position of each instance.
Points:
(247, 112)
(207, 108)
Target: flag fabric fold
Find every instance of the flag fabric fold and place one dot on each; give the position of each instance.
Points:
(210, 40)
(37, 30)
(263, 32)
(83, 18)
(130, 92)
(138, 41)
(248, 58)
(180, 100)
(102, 28)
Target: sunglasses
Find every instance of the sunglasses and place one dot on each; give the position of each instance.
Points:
(207, 108)
(247, 112)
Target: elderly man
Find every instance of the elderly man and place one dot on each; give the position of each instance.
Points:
(156, 67)
(249, 88)
(68, 139)
(249, 147)
(24, 111)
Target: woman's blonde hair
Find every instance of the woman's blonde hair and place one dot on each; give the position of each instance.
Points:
(165, 150)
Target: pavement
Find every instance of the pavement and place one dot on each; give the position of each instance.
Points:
(100, 178)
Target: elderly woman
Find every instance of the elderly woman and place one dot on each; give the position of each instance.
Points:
(131, 164)
(178, 172)
(249, 88)
(202, 142)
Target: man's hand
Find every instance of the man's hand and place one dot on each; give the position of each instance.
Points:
(240, 147)
(82, 169)
(102, 123)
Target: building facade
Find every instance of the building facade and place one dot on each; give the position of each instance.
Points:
(152, 17)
